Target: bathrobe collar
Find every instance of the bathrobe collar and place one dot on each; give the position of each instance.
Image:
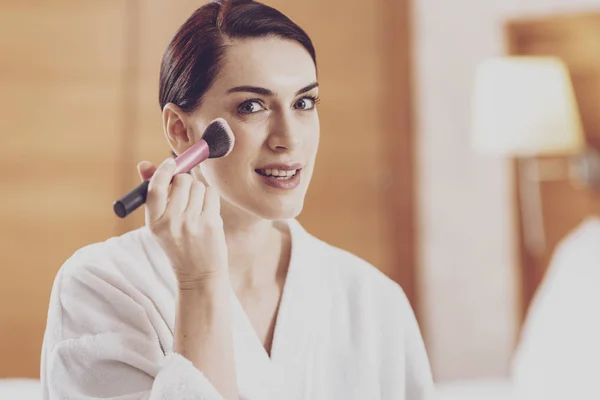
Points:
(300, 317)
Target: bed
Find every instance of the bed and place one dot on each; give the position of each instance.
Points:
(20, 389)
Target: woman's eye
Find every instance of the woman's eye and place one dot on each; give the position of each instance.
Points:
(306, 103)
(250, 107)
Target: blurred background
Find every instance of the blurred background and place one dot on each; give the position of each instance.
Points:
(455, 186)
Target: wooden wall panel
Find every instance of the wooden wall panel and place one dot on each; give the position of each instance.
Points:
(80, 109)
(60, 79)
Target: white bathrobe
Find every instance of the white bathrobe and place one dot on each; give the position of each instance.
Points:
(343, 331)
(558, 357)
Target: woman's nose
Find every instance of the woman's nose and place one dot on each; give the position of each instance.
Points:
(285, 134)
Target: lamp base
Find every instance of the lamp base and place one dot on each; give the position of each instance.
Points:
(584, 169)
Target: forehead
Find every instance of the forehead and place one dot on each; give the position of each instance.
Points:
(273, 63)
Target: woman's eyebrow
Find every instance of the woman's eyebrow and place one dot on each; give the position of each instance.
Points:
(251, 89)
(266, 92)
(307, 88)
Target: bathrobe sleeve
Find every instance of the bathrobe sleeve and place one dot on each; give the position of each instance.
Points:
(558, 355)
(419, 381)
(100, 343)
(406, 372)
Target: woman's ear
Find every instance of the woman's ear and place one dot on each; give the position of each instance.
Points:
(177, 129)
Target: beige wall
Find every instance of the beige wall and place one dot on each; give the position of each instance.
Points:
(468, 276)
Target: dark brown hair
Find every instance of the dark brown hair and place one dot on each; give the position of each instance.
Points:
(193, 59)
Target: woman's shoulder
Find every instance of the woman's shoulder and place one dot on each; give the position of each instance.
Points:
(350, 272)
(126, 252)
(350, 266)
(100, 248)
(103, 284)
(358, 295)
(126, 265)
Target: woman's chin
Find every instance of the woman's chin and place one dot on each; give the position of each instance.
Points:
(280, 211)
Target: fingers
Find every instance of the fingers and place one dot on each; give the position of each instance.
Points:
(158, 190)
(145, 170)
(196, 200)
(212, 202)
(179, 195)
(187, 197)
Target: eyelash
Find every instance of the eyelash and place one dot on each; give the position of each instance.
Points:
(315, 99)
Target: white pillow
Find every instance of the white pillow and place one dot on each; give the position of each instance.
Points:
(20, 389)
(558, 356)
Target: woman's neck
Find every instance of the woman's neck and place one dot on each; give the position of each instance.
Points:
(258, 249)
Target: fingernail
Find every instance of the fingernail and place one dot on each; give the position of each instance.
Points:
(169, 161)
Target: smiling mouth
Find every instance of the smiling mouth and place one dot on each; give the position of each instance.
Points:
(278, 173)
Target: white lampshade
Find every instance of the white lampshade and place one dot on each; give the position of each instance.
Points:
(525, 106)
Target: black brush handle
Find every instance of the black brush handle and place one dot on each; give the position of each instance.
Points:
(131, 201)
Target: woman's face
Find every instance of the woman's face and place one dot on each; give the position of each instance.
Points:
(266, 91)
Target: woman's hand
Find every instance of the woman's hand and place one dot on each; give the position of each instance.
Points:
(186, 220)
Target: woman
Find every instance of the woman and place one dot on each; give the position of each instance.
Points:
(223, 295)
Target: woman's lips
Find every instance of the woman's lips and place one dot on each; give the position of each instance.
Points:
(280, 178)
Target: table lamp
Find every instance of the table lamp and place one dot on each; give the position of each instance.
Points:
(524, 107)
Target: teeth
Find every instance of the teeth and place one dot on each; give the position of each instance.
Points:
(278, 173)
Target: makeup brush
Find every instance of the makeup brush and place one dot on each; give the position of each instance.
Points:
(217, 141)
